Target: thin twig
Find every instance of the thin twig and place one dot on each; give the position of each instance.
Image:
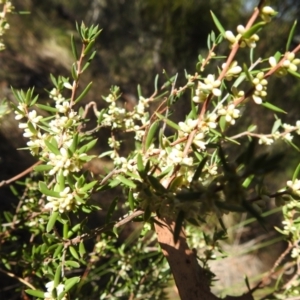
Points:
(20, 175)
(18, 278)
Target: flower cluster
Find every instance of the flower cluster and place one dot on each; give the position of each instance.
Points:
(289, 64)
(230, 112)
(294, 187)
(210, 85)
(249, 42)
(4, 26)
(50, 288)
(233, 71)
(260, 85)
(267, 13)
(118, 117)
(64, 203)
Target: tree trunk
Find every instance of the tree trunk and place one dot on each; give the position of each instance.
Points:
(189, 277)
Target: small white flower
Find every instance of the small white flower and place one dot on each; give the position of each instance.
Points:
(68, 85)
(230, 36)
(265, 141)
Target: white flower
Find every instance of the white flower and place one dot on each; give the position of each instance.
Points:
(64, 107)
(272, 61)
(267, 13)
(294, 186)
(68, 85)
(265, 141)
(50, 288)
(232, 71)
(33, 117)
(230, 36)
(260, 84)
(298, 127)
(230, 112)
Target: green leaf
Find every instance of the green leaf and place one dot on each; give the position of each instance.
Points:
(74, 144)
(176, 183)
(150, 134)
(66, 230)
(126, 181)
(42, 168)
(74, 229)
(88, 146)
(31, 128)
(35, 293)
(140, 166)
(291, 35)
(74, 72)
(57, 276)
(255, 28)
(43, 189)
(58, 250)
(89, 61)
(52, 147)
(276, 125)
(247, 181)
(82, 250)
(52, 221)
(296, 74)
(247, 73)
(72, 263)
(273, 107)
(60, 178)
(296, 173)
(89, 47)
(131, 200)
(88, 186)
(156, 184)
(178, 226)
(217, 23)
(169, 122)
(70, 283)
(84, 92)
(199, 169)
(156, 82)
(74, 49)
(222, 123)
(74, 252)
(54, 81)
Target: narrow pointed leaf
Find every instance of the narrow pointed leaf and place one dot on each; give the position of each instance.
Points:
(84, 92)
(296, 173)
(291, 35)
(74, 49)
(35, 293)
(273, 107)
(255, 28)
(178, 226)
(131, 200)
(151, 133)
(73, 252)
(126, 181)
(217, 23)
(57, 276)
(52, 221)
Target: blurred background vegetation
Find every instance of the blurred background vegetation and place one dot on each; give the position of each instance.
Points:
(140, 38)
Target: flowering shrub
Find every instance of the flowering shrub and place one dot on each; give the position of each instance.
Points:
(170, 180)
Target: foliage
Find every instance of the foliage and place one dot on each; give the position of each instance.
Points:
(184, 172)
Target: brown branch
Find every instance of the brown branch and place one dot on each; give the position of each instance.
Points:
(189, 277)
(20, 175)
